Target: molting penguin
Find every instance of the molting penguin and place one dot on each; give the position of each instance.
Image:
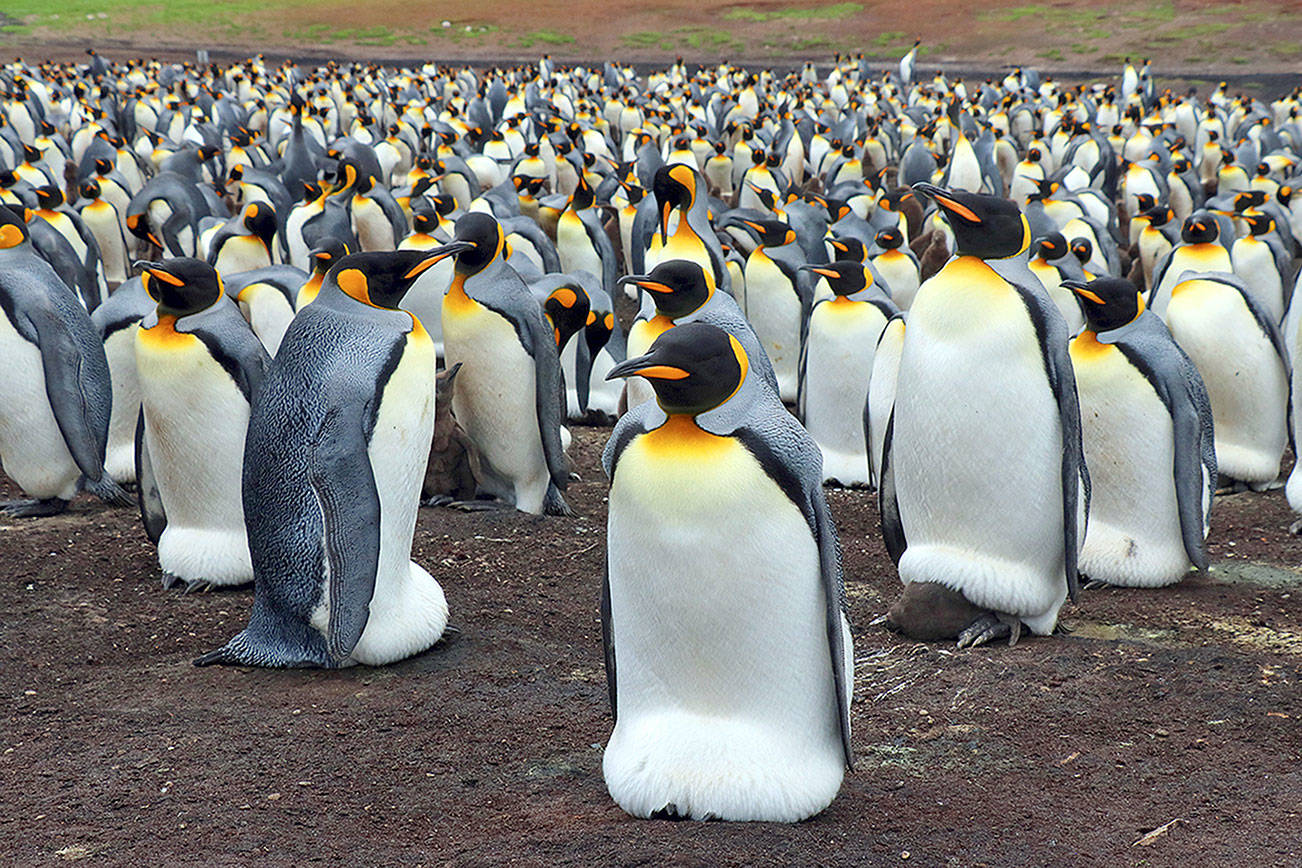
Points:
(56, 395)
(199, 367)
(508, 395)
(1147, 431)
(337, 448)
(721, 550)
(984, 382)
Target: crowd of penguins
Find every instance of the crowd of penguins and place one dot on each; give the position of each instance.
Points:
(288, 306)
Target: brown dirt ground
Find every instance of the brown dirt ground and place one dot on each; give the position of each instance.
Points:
(1181, 704)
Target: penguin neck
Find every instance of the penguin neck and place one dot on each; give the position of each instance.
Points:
(680, 434)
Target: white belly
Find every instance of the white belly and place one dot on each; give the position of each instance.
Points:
(120, 457)
(102, 221)
(195, 421)
(841, 343)
(32, 450)
(726, 704)
(574, 248)
(901, 277)
(1254, 264)
(408, 609)
(1133, 536)
(881, 392)
(268, 313)
(494, 399)
(773, 309)
(977, 449)
(242, 253)
(1246, 380)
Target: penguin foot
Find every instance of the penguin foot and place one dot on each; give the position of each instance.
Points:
(171, 580)
(437, 500)
(197, 586)
(988, 628)
(1095, 585)
(1226, 486)
(109, 491)
(33, 508)
(1296, 527)
(554, 503)
(477, 505)
(668, 812)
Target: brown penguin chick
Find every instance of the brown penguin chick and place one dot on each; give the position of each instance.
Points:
(920, 243)
(453, 471)
(935, 256)
(930, 612)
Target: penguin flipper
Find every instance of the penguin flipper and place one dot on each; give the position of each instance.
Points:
(344, 483)
(1191, 426)
(608, 641)
(888, 504)
(148, 497)
(70, 392)
(829, 561)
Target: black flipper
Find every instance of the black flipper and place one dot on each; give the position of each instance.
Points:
(62, 364)
(888, 503)
(608, 643)
(344, 484)
(148, 497)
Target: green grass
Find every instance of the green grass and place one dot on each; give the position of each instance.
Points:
(1051, 54)
(831, 11)
(543, 37)
(697, 38)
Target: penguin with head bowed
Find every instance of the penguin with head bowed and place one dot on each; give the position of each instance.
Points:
(199, 367)
(56, 397)
(680, 291)
(508, 395)
(721, 549)
(337, 448)
(984, 381)
(245, 241)
(1052, 264)
(836, 362)
(1238, 349)
(266, 299)
(1148, 438)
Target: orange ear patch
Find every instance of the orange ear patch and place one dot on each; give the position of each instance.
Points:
(353, 282)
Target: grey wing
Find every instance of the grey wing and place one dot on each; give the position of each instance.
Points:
(1191, 419)
(341, 477)
(829, 561)
(77, 385)
(605, 250)
(888, 503)
(549, 395)
(148, 497)
(608, 642)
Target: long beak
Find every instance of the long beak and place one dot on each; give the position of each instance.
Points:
(646, 366)
(949, 205)
(438, 254)
(1082, 289)
(818, 269)
(645, 282)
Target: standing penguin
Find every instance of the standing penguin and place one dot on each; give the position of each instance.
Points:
(337, 449)
(508, 395)
(199, 367)
(778, 298)
(1149, 444)
(836, 363)
(56, 395)
(729, 660)
(680, 192)
(984, 382)
(117, 320)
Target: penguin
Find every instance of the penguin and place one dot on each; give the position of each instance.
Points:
(1257, 259)
(337, 447)
(508, 395)
(721, 550)
(1200, 251)
(104, 223)
(199, 367)
(266, 298)
(1149, 442)
(117, 320)
(836, 363)
(984, 382)
(898, 267)
(581, 239)
(56, 396)
(453, 471)
(322, 260)
(778, 298)
(679, 191)
(1052, 264)
(1241, 356)
(246, 241)
(424, 299)
(603, 346)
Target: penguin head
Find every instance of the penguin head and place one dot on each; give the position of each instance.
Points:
(583, 196)
(1082, 249)
(693, 368)
(677, 286)
(90, 189)
(331, 251)
(567, 307)
(674, 187)
(481, 240)
(260, 219)
(1159, 215)
(890, 239)
(1051, 247)
(381, 279)
(848, 248)
(1249, 199)
(49, 196)
(770, 233)
(1145, 201)
(1258, 224)
(181, 286)
(986, 227)
(1200, 228)
(844, 276)
(1108, 303)
(598, 329)
(13, 229)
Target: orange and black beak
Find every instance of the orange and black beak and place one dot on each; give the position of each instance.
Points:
(644, 281)
(1082, 289)
(436, 255)
(948, 203)
(647, 366)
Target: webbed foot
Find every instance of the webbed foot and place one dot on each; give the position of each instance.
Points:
(33, 508)
(989, 627)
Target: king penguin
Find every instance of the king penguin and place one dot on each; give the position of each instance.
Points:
(56, 395)
(729, 661)
(508, 395)
(336, 452)
(117, 321)
(1149, 444)
(983, 486)
(199, 367)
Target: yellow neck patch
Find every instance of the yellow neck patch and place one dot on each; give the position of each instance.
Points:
(681, 438)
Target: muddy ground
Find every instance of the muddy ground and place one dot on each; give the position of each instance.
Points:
(1178, 708)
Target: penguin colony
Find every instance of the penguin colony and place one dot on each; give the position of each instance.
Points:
(288, 306)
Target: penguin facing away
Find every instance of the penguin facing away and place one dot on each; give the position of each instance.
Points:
(337, 448)
(1148, 439)
(984, 381)
(199, 367)
(56, 397)
(721, 548)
